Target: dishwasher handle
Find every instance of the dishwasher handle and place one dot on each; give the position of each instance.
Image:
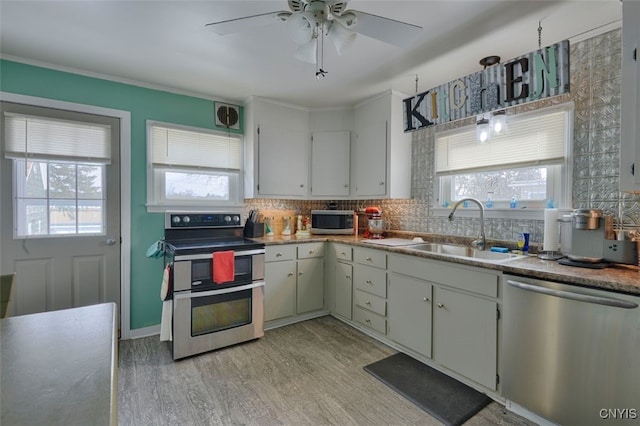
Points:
(598, 300)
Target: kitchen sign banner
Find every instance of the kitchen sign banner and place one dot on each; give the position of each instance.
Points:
(536, 75)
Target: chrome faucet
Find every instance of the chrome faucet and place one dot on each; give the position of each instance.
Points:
(481, 242)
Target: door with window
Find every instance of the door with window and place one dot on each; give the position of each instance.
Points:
(60, 207)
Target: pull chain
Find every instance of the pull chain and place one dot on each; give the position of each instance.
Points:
(539, 34)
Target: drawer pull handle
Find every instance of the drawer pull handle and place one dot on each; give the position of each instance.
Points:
(300, 273)
(440, 305)
(368, 321)
(369, 282)
(311, 251)
(290, 274)
(278, 254)
(348, 276)
(343, 253)
(368, 259)
(426, 299)
(367, 303)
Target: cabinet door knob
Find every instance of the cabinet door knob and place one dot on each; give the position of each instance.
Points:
(346, 186)
(301, 185)
(381, 183)
(367, 303)
(368, 259)
(369, 282)
(440, 305)
(347, 276)
(290, 274)
(311, 251)
(343, 253)
(426, 299)
(368, 321)
(300, 273)
(278, 254)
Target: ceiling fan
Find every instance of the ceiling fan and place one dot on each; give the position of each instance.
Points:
(309, 21)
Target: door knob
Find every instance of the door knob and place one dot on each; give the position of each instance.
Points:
(110, 241)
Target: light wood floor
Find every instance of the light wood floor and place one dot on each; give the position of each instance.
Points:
(308, 373)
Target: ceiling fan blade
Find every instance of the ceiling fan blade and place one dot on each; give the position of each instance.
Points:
(240, 24)
(384, 29)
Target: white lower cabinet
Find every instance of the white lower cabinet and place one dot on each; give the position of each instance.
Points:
(343, 289)
(310, 290)
(446, 312)
(410, 303)
(280, 282)
(294, 280)
(370, 289)
(465, 335)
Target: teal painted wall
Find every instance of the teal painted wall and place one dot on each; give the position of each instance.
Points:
(143, 104)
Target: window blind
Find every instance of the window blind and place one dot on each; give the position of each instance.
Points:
(177, 147)
(528, 142)
(44, 138)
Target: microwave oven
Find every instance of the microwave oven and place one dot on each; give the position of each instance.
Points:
(334, 222)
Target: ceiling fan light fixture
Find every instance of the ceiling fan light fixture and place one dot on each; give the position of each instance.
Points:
(341, 37)
(348, 19)
(307, 52)
(301, 27)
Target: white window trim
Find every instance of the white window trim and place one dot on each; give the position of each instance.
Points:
(523, 211)
(155, 206)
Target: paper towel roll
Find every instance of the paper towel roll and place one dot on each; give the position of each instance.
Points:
(550, 240)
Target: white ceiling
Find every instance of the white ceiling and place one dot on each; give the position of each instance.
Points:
(165, 44)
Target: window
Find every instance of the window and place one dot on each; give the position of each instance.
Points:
(528, 164)
(192, 168)
(58, 173)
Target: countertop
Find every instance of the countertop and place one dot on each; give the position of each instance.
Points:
(60, 367)
(620, 278)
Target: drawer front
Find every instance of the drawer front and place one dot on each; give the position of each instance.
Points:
(369, 319)
(376, 258)
(371, 280)
(279, 252)
(308, 250)
(370, 302)
(343, 252)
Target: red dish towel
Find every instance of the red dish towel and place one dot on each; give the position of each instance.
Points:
(223, 266)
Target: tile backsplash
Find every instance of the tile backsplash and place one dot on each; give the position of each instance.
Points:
(595, 92)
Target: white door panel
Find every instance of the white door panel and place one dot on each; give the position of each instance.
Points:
(59, 272)
(31, 292)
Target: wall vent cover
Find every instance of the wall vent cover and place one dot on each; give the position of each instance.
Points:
(227, 116)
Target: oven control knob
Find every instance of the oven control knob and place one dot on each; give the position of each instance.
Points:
(236, 219)
(186, 219)
(176, 219)
(227, 219)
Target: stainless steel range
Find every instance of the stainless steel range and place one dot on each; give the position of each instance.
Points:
(217, 279)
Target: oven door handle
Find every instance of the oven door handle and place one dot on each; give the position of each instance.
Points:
(209, 255)
(194, 294)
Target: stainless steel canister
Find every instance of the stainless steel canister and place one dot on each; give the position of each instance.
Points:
(587, 218)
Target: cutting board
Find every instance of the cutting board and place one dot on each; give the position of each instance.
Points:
(392, 242)
(277, 219)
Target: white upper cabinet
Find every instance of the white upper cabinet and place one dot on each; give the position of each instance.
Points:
(277, 150)
(381, 154)
(330, 154)
(630, 98)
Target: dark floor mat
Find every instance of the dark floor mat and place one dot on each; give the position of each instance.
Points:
(443, 397)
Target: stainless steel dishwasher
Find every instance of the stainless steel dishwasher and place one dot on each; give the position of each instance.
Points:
(571, 354)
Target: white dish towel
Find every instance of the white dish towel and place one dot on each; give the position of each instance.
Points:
(167, 308)
(165, 322)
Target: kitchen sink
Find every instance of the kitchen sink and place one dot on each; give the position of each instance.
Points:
(463, 251)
